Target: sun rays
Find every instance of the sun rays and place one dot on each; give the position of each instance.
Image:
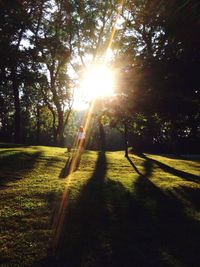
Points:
(97, 82)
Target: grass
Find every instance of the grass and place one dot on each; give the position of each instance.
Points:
(29, 187)
(144, 211)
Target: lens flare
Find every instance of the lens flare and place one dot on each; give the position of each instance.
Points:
(98, 82)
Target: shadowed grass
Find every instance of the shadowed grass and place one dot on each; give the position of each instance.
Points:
(176, 172)
(18, 161)
(116, 216)
(29, 189)
(90, 196)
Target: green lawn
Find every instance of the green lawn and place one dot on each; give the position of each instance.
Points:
(144, 211)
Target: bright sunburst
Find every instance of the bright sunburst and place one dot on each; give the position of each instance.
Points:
(98, 82)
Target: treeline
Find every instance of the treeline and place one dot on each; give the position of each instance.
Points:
(45, 45)
(35, 89)
(159, 89)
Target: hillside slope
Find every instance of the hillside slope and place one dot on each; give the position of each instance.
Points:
(115, 210)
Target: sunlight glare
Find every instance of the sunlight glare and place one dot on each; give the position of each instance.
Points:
(98, 82)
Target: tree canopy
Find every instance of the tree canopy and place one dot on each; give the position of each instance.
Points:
(45, 47)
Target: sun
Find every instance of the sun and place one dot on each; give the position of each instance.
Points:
(98, 82)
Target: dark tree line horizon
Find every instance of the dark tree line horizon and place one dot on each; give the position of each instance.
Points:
(156, 57)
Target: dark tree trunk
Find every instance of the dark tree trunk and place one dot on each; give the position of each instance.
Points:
(38, 125)
(125, 140)
(3, 119)
(64, 126)
(17, 115)
(50, 107)
(59, 138)
(102, 135)
(15, 87)
(54, 128)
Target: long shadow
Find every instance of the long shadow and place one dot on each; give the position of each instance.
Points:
(111, 226)
(89, 216)
(172, 237)
(134, 235)
(161, 228)
(15, 166)
(190, 194)
(66, 169)
(71, 165)
(107, 226)
(84, 224)
(133, 165)
(169, 169)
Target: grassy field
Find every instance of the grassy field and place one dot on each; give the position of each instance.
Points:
(141, 211)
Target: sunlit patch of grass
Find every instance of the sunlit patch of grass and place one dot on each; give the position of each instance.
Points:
(119, 169)
(78, 179)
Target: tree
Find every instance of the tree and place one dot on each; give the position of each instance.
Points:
(161, 77)
(52, 51)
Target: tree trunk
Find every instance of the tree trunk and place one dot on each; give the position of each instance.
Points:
(125, 140)
(2, 120)
(65, 124)
(54, 128)
(59, 137)
(102, 135)
(38, 125)
(17, 115)
(15, 87)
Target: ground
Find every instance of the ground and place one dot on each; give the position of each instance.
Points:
(112, 211)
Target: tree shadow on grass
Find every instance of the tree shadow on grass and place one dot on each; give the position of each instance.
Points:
(71, 165)
(84, 225)
(182, 174)
(191, 194)
(109, 225)
(66, 169)
(171, 236)
(83, 235)
(134, 234)
(16, 165)
(133, 165)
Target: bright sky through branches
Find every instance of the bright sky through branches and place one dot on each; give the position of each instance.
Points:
(98, 81)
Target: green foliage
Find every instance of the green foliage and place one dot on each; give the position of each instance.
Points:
(160, 77)
(155, 57)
